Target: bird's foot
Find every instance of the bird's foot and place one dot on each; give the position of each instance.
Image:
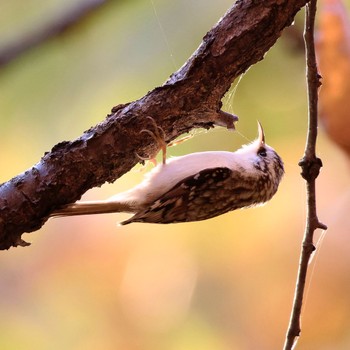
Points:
(158, 135)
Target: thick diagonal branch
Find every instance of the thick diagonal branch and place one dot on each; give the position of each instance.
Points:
(191, 98)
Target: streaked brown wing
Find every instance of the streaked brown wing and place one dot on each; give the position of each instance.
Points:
(192, 199)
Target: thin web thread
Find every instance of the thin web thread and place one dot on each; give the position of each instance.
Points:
(164, 36)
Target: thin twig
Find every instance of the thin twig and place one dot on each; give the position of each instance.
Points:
(310, 165)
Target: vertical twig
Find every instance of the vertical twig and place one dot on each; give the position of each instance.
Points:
(310, 166)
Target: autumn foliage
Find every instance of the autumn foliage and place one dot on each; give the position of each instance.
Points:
(333, 52)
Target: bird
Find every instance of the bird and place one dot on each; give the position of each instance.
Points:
(194, 187)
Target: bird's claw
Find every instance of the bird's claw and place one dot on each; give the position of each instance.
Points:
(159, 137)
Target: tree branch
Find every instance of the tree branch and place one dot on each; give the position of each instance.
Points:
(191, 98)
(310, 165)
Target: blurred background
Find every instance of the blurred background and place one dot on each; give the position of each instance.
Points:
(226, 283)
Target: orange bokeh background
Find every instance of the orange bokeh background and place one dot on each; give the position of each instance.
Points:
(225, 283)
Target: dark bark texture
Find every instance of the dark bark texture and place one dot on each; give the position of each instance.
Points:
(191, 98)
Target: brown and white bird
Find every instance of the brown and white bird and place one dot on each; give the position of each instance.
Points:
(196, 186)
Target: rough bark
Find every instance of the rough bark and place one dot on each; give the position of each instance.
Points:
(191, 98)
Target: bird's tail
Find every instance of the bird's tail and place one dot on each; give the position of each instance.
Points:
(93, 207)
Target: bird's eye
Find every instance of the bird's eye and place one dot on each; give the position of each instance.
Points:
(262, 152)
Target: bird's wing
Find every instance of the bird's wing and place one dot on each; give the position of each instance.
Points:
(191, 199)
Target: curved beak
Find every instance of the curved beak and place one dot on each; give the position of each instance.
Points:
(261, 136)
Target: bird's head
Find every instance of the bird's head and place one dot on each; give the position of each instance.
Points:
(261, 158)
